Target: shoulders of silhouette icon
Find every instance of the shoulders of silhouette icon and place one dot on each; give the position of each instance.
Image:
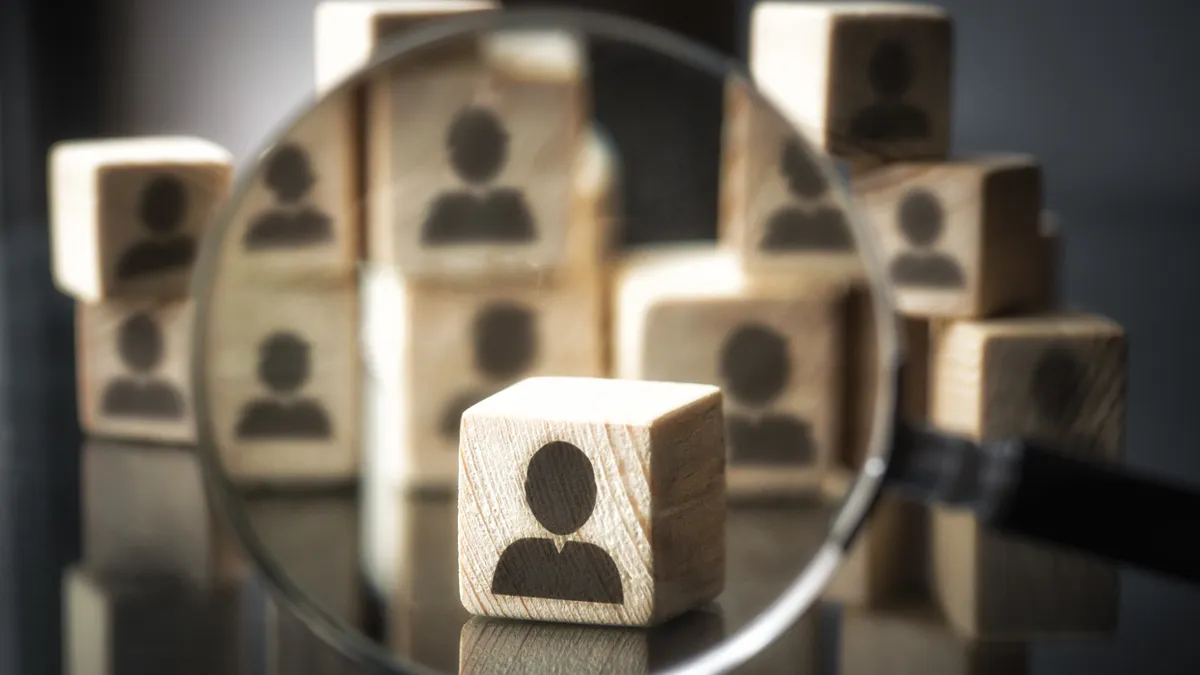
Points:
(890, 120)
(769, 439)
(283, 229)
(535, 568)
(499, 217)
(303, 419)
(152, 400)
(794, 229)
(926, 270)
(148, 257)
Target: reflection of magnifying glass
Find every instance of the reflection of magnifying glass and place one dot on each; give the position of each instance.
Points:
(432, 218)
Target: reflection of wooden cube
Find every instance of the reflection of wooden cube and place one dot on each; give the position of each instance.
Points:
(862, 80)
(1058, 379)
(282, 383)
(133, 369)
(916, 639)
(592, 501)
(887, 559)
(688, 314)
(127, 214)
(145, 511)
(959, 237)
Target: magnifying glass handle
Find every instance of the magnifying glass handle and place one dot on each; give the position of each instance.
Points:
(1019, 487)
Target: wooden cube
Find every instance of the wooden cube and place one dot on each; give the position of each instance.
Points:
(887, 560)
(914, 638)
(127, 214)
(688, 314)
(779, 210)
(592, 501)
(866, 81)
(472, 155)
(134, 380)
(348, 32)
(434, 350)
(958, 237)
(282, 381)
(1058, 379)
(146, 512)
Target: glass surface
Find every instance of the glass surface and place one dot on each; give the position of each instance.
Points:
(468, 211)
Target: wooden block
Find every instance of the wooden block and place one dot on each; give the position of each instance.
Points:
(146, 512)
(688, 314)
(472, 151)
(434, 350)
(348, 32)
(887, 560)
(779, 209)
(1059, 379)
(916, 639)
(609, 554)
(505, 647)
(283, 383)
(298, 218)
(958, 236)
(863, 80)
(122, 625)
(127, 214)
(134, 380)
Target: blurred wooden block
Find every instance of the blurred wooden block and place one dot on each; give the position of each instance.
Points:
(434, 350)
(863, 80)
(504, 647)
(299, 217)
(283, 383)
(124, 625)
(127, 214)
(556, 520)
(146, 512)
(134, 379)
(688, 314)
(348, 32)
(958, 237)
(887, 560)
(1058, 379)
(916, 639)
(472, 155)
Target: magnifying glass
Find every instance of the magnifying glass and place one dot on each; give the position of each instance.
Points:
(447, 222)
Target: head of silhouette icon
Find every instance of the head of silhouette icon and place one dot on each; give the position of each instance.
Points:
(283, 363)
(478, 144)
(139, 343)
(289, 175)
(754, 364)
(163, 204)
(891, 70)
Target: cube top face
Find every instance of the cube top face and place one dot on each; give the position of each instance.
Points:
(587, 400)
(127, 215)
(876, 81)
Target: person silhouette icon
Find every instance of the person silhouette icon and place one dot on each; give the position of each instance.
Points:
(478, 149)
(560, 490)
(140, 346)
(921, 221)
(891, 72)
(755, 367)
(161, 210)
(504, 338)
(283, 366)
(791, 228)
(289, 225)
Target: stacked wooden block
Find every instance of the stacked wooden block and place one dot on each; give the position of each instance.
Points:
(156, 590)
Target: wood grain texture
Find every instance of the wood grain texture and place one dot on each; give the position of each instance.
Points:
(472, 155)
(689, 314)
(607, 493)
(127, 214)
(133, 375)
(864, 81)
(958, 237)
(283, 381)
(914, 638)
(145, 512)
(889, 558)
(1059, 379)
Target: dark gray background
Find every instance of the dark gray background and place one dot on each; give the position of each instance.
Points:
(1103, 91)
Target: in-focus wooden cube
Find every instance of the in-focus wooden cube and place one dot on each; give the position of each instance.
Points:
(472, 155)
(958, 237)
(282, 382)
(915, 638)
(863, 80)
(348, 32)
(774, 345)
(592, 501)
(146, 512)
(127, 214)
(1058, 379)
(134, 379)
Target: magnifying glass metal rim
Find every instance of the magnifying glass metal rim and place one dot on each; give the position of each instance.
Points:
(804, 591)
